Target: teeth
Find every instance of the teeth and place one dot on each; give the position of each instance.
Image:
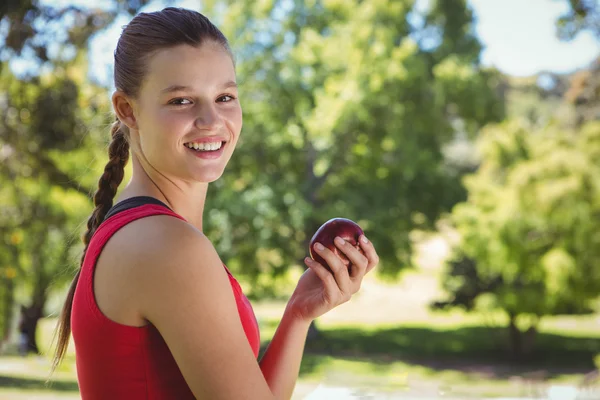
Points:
(205, 146)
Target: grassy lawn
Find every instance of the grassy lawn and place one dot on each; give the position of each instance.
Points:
(387, 344)
(459, 359)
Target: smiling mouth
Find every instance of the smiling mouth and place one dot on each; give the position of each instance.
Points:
(206, 148)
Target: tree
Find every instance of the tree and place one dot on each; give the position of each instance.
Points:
(39, 224)
(45, 252)
(50, 129)
(529, 242)
(348, 107)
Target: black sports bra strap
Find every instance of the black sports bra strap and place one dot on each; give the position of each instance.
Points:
(133, 202)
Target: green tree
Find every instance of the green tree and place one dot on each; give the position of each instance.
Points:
(348, 106)
(46, 219)
(529, 239)
(50, 144)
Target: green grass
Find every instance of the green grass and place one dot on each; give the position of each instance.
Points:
(461, 360)
(436, 348)
(469, 361)
(21, 383)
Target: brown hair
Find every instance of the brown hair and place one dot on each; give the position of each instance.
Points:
(140, 39)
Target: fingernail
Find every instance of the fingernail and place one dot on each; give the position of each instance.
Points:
(339, 240)
(364, 239)
(308, 260)
(319, 246)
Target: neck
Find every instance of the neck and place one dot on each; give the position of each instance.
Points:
(183, 198)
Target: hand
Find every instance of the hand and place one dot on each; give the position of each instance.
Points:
(320, 290)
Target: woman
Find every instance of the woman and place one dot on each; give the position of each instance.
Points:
(154, 312)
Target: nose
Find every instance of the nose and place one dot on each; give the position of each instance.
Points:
(209, 118)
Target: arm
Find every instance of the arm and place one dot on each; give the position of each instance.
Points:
(181, 287)
(317, 292)
(280, 363)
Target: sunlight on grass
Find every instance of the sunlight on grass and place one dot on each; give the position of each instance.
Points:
(388, 358)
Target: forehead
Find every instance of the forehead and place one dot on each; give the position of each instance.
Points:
(204, 66)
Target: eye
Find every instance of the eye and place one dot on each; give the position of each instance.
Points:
(225, 99)
(180, 101)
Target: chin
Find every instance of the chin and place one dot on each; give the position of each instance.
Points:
(207, 177)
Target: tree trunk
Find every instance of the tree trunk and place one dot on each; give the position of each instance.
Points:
(529, 337)
(515, 337)
(8, 304)
(35, 311)
(521, 343)
(29, 326)
(313, 332)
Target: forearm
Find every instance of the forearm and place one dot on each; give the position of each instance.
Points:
(280, 363)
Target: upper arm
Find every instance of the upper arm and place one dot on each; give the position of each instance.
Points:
(184, 291)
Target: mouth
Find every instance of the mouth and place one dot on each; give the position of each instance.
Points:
(205, 147)
(206, 151)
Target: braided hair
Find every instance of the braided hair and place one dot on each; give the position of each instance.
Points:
(118, 155)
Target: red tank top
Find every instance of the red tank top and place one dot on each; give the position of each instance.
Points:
(116, 361)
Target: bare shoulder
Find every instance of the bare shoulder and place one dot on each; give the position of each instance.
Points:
(147, 241)
(130, 254)
(163, 249)
(166, 252)
(182, 288)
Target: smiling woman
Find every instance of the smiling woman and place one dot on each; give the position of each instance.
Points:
(154, 312)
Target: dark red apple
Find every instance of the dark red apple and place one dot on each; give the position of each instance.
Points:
(342, 227)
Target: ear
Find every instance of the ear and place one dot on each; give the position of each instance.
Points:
(123, 107)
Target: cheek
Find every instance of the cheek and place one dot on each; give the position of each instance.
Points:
(234, 120)
(167, 126)
(160, 130)
(168, 120)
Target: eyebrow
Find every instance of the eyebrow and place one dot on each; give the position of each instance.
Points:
(177, 88)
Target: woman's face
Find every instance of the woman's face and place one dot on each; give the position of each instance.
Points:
(189, 98)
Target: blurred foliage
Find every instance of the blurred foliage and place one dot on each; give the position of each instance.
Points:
(584, 93)
(540, 100)
(529, 238)
(52, 131)
(348, 107)
(47, 33)
(582, 15)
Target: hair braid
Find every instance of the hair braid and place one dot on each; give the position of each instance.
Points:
(118, 153)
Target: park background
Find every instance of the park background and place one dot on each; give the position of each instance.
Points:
(464, 137)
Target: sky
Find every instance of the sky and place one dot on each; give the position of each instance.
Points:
(519, 37)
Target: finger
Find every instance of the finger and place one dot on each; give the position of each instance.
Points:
(359, 260)
(340, 271)
(331, 288)
(367, 246)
